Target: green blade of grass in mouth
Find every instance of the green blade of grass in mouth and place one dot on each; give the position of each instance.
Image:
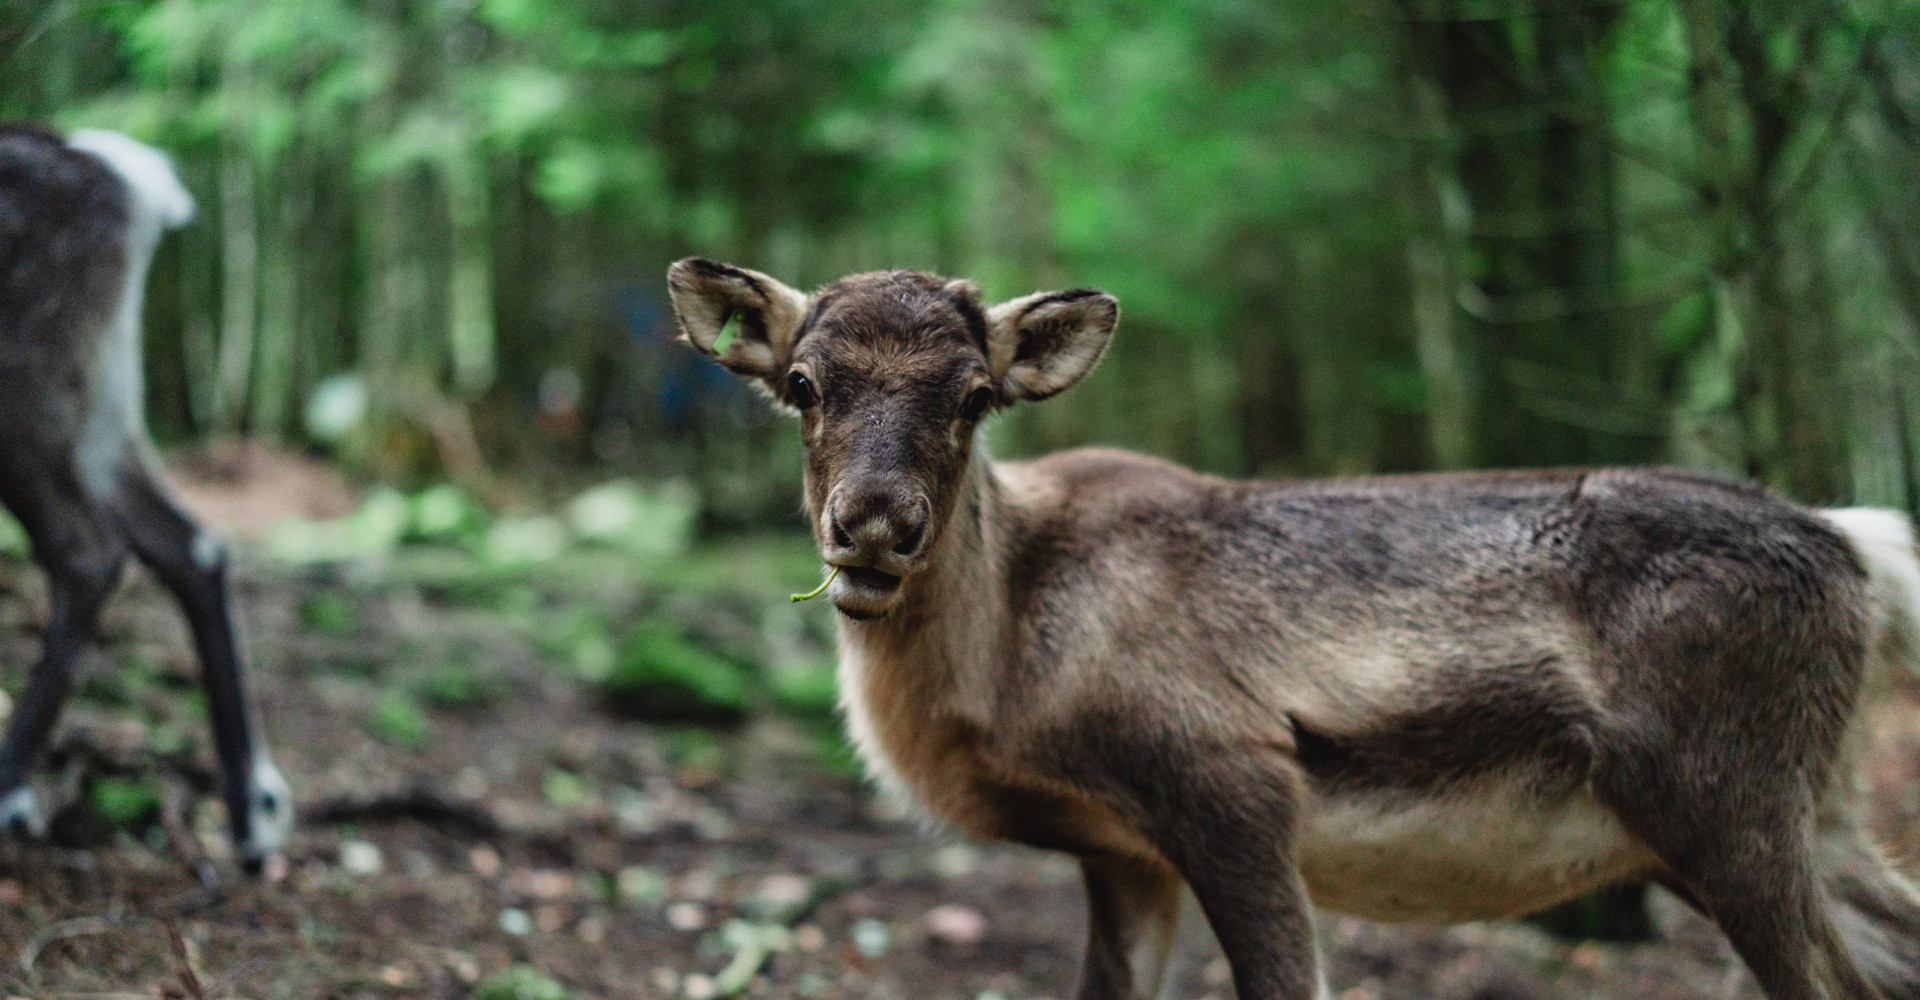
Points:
(815, 592)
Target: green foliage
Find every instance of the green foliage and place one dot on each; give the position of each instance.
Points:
(660, 673)
(520, 981)
(1344, 239)
(444, 514)
(644, 521)
(455, 684)
(330, 612)
(806, 687)
(13, 539)
(124, 802)
(397, 718)
(564, 789)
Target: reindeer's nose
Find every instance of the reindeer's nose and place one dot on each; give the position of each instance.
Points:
(876, 525)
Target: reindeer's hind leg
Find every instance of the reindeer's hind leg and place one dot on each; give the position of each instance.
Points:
(1741, 845)
(82, 552)
(1875, 908)
(192, 564)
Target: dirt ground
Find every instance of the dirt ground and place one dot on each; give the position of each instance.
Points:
(532, 838)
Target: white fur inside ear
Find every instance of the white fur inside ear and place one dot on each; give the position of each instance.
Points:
(1043, 343)
(764, 315)
(156, 189)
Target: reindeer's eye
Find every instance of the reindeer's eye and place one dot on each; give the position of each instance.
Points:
(976, 404)
(800, 389)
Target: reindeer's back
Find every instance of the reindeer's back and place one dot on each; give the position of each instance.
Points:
(63, 231)
(1334, 599)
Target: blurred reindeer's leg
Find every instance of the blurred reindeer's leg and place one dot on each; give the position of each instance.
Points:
(82, 555)
(1133, 909)
(192, 564)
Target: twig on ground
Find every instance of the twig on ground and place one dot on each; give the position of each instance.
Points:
(189, 977)
(421, 804)
(61, 931)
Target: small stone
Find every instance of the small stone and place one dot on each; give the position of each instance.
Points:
(643, 884)
(955, 861)
(957, 925)
(665, 980)
(780, 897)
(360, 859)
(515, 921)
(464, 967)
(470, 784)
(699, 885)
(549, 918)
(550, 884)
(687, 917)
(591, 931)
(809, 938)
(11, 892)
(394, 976)
(699, 987)
(274, 870)
(485, 861)
(871, 938)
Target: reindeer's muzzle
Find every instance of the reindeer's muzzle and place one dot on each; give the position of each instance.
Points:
(876, 533)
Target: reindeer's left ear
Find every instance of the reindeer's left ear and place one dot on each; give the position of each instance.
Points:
(1042, 343)
(740, 318)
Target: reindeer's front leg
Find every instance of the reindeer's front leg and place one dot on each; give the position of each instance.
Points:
(1133, 909)
(1227, 818)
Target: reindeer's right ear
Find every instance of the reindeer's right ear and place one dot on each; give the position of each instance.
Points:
(763, 314)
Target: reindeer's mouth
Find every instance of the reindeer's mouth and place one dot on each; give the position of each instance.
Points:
(863, 593)
(870, 578)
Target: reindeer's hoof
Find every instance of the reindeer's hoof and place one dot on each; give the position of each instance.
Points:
(20, 814)
(269, 819)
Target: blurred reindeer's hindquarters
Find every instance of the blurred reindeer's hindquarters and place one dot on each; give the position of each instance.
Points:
(79, 219)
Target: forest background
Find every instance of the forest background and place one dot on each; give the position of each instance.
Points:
(1347, 237)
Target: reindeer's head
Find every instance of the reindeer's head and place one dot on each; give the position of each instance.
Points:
(891, 373)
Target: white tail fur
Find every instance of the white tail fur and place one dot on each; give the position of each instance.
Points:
(157, 192)
(1884, 541)
(156, 202)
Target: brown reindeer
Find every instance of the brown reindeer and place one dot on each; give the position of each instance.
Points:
(1437, 698)
(79, 220)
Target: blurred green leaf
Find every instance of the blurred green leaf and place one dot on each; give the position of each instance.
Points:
(520, 982)
(397, 719)
(330, 612)
(124, 802)
(661, 674)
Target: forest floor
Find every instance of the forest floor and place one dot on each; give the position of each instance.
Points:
(482, 816)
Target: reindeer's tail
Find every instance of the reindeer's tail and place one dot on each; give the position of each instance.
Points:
(157, 192)
(1884, 541)
(1875, 908)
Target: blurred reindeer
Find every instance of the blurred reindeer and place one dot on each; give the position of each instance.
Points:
(79, 219)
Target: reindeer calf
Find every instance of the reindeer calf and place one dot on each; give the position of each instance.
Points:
(1422, 698)
(79, 220)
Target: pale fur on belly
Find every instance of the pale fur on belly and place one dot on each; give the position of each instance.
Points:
(1477, 853)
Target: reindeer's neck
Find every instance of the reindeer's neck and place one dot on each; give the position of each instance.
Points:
(919, 683)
